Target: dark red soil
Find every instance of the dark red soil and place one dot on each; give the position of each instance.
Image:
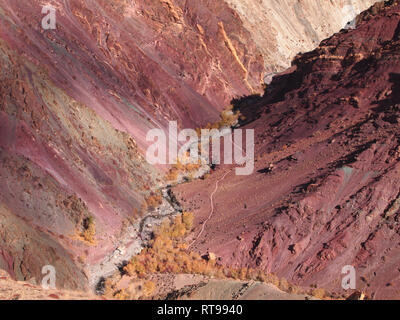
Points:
(330, 127)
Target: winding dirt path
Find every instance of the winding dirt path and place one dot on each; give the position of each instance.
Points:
(212, 208)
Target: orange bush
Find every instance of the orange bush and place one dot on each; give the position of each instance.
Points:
(154, 200)
(168, 253)
(89, 230)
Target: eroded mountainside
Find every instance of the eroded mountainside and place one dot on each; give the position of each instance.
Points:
(282, 28)
(325, 192)
(76, 103)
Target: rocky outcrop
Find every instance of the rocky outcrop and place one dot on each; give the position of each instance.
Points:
(325, 192)
(283, 28)
(76, 104)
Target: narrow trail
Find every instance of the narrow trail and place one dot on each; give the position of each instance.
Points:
(212, 208)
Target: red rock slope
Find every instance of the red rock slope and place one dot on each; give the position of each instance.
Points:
(77, 102)
(330, 128)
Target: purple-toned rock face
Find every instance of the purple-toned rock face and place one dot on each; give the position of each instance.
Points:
(131, 65)
(76, 104)
(330, 128)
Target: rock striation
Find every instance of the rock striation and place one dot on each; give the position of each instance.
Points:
(76, 104)
(326, 190)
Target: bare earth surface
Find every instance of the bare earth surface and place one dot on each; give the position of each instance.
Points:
(20, 290)
(233, 290)
(283, 28)
(325, 191)
(77, 102)
(181, 286)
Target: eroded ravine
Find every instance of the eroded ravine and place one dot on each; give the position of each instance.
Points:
(134, 239)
